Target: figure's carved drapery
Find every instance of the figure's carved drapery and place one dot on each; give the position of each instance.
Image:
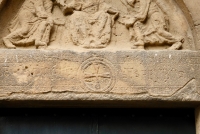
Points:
(32, 25)
(98, 57)
(90, 23)
(150, 25)
(96, 24)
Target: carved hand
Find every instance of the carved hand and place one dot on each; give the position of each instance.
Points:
(68, 9)
(42, 15)
(140, 17)
(91, 21)
(50, 21)
(130, 22)
(68, 6)
(59, 21)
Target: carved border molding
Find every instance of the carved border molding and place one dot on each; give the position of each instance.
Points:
(191, 16)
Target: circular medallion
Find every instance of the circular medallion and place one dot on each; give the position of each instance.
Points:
(97, 75)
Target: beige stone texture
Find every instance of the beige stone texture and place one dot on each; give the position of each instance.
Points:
(98, 75)
(193, 9)
(127, 53)
(197, 119)
(108, 24)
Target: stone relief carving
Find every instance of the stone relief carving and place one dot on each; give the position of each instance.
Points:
(149, 25)
(32, 25)
(92, 24)
(117, 74)
(97, 74)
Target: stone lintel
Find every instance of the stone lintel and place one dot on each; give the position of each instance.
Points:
(98, 76)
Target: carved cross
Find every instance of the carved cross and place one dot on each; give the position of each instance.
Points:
(97, 74)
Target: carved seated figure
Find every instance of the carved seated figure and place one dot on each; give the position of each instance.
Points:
(90, 23)
(149, 26)
(32, 25)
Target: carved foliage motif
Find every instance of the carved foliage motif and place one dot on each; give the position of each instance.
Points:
(92, 24)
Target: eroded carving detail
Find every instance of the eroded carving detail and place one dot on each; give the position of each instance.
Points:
(97, 75)
(149, 25)
(93, 24)
(32, 25)
(137, 75)
(90, 22)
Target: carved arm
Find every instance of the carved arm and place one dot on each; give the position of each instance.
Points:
(143, 12)
(40, 10)
(141, 16)
(69, 8)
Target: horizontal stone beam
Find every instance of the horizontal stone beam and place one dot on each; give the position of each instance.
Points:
(96, 75)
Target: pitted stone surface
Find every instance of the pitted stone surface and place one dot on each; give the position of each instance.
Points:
(97, 75)
(92, 50)
(96, 24)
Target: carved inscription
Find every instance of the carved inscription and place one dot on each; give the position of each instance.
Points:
(153, 74)
(165, 77)
(156, 73)
(195, 62)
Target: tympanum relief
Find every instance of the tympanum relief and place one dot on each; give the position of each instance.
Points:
(98, 24)
(99, 55)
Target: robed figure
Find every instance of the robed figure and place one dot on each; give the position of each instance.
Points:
(90, 23)
(32, 25)
(149, 26)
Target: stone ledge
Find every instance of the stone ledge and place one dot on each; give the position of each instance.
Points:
(95, 104)
(100, 76)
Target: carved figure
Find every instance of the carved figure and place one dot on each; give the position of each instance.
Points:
(32, 25)
(90, 22)
(149, 25)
